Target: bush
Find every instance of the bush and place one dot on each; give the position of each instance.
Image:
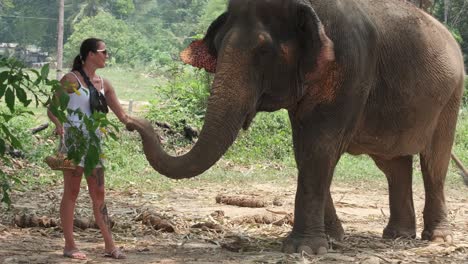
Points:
(183, 98)
(268, 138)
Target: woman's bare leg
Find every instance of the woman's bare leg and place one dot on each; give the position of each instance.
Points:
(71, 189)
(97, 193)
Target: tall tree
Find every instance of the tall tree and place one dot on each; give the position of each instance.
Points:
(60, 38)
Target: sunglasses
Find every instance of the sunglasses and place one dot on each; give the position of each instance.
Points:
(104, 51)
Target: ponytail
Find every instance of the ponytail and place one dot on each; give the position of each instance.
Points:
(77, 63)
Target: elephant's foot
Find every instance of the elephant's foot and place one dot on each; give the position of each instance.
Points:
(438, 234)
(311, 245)
(392, 232)
(400, 228)
(334, 229)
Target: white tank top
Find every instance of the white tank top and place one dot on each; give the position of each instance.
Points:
(80, 100)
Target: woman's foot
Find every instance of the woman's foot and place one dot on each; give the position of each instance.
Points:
(74, 254)
(116, 253)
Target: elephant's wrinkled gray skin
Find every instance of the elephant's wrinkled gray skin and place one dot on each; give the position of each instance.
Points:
(376, 77)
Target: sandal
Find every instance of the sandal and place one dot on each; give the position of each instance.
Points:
(74, 254)
(116, 254)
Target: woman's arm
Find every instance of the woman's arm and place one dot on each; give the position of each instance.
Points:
(113, 102)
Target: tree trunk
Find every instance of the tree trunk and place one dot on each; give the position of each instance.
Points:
(446, 11)
(423, 4)
(60, 40)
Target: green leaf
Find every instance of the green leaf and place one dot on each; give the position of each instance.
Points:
(2, 147)
(5, 190)
(45, 71)
(2, 90)
(91, 159)
(3, 76)
(21, 94)
(113, 136)
(13, 140)
(7, 117)
(28, 102)
(64, 99)
(10, 99)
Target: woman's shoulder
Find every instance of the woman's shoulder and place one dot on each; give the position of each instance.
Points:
(70, 77)
(107, 84)
(70, 82)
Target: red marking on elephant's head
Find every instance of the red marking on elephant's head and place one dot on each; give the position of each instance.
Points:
(197, 55)
(326, 88)
(322, 81)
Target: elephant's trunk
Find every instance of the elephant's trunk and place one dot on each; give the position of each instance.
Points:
(226, 112)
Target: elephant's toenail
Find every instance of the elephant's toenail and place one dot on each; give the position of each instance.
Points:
(449, 239)
(322, 251)
(305, 249)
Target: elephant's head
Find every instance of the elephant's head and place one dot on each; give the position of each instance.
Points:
(262, 52)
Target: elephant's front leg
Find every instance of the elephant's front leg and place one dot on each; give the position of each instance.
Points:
(316, 161)
(313, 185)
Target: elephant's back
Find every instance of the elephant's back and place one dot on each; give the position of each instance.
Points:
(419, 68)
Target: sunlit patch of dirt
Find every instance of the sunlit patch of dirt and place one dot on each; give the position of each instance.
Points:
(205, 231)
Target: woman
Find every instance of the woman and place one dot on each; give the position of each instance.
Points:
(93, 55)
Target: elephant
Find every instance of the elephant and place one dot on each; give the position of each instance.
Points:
(375, 77)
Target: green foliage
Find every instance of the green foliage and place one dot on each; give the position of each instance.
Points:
(457, 20)
(456, 35)
(268, 139)
(122, 8)
(212, 10)
(85, 139)
(183, 98)
(122, 41)
(6, 4)
(29, 22)
(461, 137)
(15, 87)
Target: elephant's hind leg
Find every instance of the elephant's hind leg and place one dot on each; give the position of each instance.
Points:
(333, 227)
(434, 165)
(399, 173)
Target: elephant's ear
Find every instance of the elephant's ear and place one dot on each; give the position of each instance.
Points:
(202, 53)
(317, 46)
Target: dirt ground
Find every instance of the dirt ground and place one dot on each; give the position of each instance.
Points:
(229, 238)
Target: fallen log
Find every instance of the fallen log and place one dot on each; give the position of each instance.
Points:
(155, 221)
(39, 128)
(32, 220)
(85, 223)
(266, 219)
(241, 201)
(208, 226)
